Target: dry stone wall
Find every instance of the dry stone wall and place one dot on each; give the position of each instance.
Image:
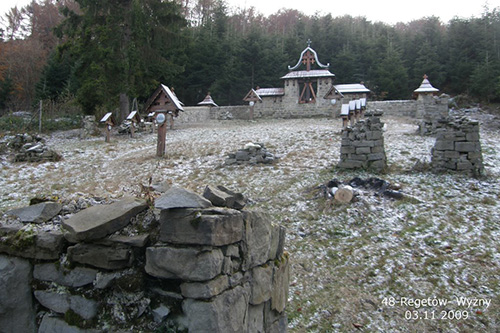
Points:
(186, 265)
(362, 145)
(458, 146)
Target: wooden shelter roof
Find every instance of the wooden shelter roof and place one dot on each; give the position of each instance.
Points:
(176, 103)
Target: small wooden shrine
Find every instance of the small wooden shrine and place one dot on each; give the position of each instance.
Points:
(165, 105)
(109, 121)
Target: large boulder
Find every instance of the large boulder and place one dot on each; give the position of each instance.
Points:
(99, 221)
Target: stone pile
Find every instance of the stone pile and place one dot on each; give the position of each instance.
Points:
(432, 110)
(363, 144)
(252, 153)
(31, 148)
(197, 267)
(458, 147)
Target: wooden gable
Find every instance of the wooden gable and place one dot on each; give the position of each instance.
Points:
(252, 96)
(163, 100)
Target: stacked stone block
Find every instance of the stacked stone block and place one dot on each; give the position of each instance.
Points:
(117, 267)
(458, 147)
(432, 110)
(363, 144)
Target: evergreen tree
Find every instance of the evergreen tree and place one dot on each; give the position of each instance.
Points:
(121, 48)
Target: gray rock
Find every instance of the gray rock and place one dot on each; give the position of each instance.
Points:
(85, 308)
(54, 301)
(134, 241)
(214, 226)
(233, 200)
(262, 278)
(243, 155)
(62, 302)
(183, 263)
(280, 286)
(274, 321)
(16, 305)
(51, 324)
(31, 244)
(256, 318)
(214, 316)
(256, 240)
(160, 313)
(77, 277)
(215, 196)
(205, 290)
(38, 213)
(99, 221)
(177, 197)
(101, 256)
(104, 280)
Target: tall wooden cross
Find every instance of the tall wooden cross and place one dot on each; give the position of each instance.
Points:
(308, 59)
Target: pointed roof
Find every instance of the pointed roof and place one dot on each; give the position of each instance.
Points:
(425, 86)
(177, 104)
(352, 88)
(308, 57)
(252, 96)
(208, 101)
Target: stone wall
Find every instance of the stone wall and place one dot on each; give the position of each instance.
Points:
(406, 108)
(458, 147)
(362, 145)
(186, 265)
(194, 114)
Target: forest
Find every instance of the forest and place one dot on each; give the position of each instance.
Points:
(97, 56)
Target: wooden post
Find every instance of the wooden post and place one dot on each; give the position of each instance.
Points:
(162, 136)
(132, 128)
(108, 133)
(345, 120)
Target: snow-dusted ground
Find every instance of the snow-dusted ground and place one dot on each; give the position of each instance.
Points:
(352, 264)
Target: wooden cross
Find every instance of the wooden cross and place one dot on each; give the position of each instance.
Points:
(308, 59)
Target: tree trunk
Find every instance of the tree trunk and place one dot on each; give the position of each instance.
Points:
(124, 108)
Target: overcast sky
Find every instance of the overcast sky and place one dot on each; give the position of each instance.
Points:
(389, 11)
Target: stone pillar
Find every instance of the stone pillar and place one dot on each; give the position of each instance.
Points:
(432, 110)
(458, 147)
(363, 144)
